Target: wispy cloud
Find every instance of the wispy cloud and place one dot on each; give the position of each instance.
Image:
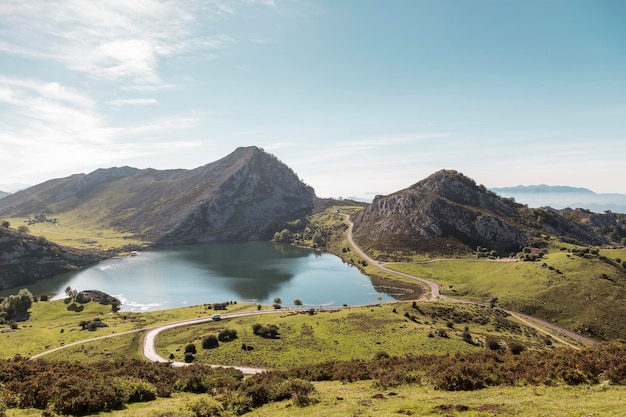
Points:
(43, 124)
(115, 40)
(133, 102)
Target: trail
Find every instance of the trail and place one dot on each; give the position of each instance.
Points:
(435, 294)
(149, 341)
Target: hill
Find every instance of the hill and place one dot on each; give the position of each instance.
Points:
(26, 259)
(243, 196)
(561, 197)
(448, 212)
(4, 194)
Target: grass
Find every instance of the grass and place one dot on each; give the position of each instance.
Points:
(353, 333)
(52, 324)
(580, 294)
(79, 233)
(364, 399)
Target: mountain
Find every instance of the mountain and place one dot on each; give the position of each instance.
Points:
(448, 212)
(25, 259)
(561, 197)
(3, 194)
(243, 196)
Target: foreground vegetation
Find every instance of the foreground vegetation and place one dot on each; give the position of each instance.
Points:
(78, 389)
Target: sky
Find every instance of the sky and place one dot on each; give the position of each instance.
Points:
(358, 97)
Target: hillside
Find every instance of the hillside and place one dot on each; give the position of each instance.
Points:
(448, 212)
(4, 194)
(243, 196)
(561, 197)
(25, 259)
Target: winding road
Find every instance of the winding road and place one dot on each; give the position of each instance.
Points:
(533, 322)
(149, 341)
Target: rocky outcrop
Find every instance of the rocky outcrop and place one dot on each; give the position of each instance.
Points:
(448, 207)
(25, 259)
(448, 211)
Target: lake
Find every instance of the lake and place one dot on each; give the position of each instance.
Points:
(200, 274)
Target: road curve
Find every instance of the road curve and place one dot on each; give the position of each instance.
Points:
(434, 287)
(435, 295)
(149, 341)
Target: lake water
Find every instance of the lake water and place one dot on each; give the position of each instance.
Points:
(199, 274)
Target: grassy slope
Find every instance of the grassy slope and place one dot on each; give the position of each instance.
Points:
(577, 298)
(52, 324)
(364, 399)
(354, 333)
(79, 232)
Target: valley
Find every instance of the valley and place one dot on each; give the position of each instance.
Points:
(484, 288)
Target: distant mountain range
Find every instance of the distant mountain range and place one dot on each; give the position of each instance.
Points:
(3, 194)
(243, 196)
(560, 197)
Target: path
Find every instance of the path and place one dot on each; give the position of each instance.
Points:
(435, 295)
(434, 287)
(149, 341)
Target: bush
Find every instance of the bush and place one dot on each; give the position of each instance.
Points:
(136, 390)
(210, 342)
(516, 348)
(189, 357)
(207, 407)
(492, 343)
(190, 348)
(268, 332)
(227, 335)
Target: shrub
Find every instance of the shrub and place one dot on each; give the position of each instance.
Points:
(189, 357)
(381, 355)
(227, 335)
(136, 390)
(190, 348)
(516, 347)
(210, 342)
(492, 343)
(207, 407)
(268, 332)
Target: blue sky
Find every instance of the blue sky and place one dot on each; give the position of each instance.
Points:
(358, 97)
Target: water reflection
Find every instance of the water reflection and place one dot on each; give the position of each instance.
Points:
(198, 274)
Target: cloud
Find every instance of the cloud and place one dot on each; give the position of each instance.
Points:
(133, 102)
(46, 128)
(116, 40)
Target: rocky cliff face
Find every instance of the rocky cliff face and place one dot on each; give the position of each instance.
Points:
(251, 194)
(25, 259)
(244, 196)
(447, 212)
(447, 208)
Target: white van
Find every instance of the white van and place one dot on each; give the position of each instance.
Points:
(216, 317)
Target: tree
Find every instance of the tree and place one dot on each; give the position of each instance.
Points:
(6, 224)
(18, 305)
(190, 348)
(23, 229)
(285, 236)
(277, 302)
(297, 302)
(71, 294)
